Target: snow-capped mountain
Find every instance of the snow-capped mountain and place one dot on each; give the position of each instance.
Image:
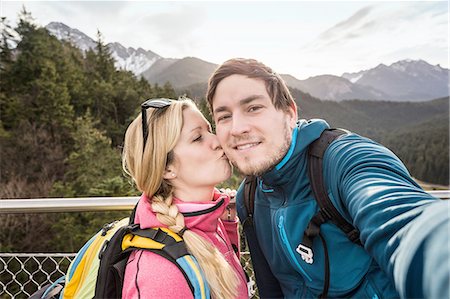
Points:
(130, 59)
(353, 77)
(135, 60)
(75, 36)
(410, 80)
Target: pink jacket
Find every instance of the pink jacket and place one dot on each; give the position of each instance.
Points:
(149, 275)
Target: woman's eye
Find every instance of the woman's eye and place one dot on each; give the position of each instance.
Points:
(199, 138)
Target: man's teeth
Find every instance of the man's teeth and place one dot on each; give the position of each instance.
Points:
(246, 146)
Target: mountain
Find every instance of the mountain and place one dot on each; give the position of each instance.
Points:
(405, 80)
(76, 37)
(134, 60)
(180, 73)
(329, 87)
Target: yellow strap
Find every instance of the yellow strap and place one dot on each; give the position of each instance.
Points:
(140, 242)
(131, 240)
(171, 233)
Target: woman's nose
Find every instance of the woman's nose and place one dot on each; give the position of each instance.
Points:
(215, 144)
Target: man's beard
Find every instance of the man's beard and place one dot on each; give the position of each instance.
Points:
(273, 158)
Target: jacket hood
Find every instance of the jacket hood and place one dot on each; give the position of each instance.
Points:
(203, 216)
(305, 133)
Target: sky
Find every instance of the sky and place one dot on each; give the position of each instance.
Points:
(301, 38)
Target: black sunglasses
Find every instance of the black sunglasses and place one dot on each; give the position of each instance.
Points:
(152, 103)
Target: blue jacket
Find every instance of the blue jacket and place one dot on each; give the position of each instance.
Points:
(370, 187)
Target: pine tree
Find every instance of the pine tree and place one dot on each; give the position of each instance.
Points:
(104, 60)
(6, 56)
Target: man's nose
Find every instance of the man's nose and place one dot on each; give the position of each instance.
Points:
(240, 125)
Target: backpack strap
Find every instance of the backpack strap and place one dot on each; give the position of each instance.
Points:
(268, 285)
(249, 197)
(327, 210)
(169, 245)
(161, 241)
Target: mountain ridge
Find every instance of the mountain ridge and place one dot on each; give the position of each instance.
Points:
(404, 80)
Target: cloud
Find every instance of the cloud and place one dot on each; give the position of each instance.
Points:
(352, 22)
(175, 27)
(382, 33)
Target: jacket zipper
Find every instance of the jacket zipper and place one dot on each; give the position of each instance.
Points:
(288, 247)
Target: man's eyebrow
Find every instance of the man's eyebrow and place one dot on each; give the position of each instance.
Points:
(242, 102)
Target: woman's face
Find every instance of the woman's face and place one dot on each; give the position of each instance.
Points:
(199, 159)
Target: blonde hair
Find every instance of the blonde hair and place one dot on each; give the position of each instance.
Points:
(147, 169)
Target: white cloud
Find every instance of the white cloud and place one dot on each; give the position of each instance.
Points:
(383, 33)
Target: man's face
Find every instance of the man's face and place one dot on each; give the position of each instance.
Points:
(254, 135)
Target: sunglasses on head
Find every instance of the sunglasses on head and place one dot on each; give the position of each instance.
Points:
(152, 103)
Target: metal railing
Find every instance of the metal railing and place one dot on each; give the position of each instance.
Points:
(45, 205)
(21, 274)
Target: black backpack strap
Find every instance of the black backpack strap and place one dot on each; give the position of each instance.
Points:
(249, 197)
(327, 211)
(133, 214)
(316, 152)
(113, 259)
(268, 285)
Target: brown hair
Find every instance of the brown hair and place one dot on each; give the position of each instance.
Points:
(275, 85)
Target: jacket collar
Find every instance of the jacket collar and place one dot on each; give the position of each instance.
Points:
(304, 134)
(202, 216)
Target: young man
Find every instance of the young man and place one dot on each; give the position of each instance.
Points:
(256, 123)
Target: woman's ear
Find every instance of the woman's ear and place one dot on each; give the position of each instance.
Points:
(169, 174)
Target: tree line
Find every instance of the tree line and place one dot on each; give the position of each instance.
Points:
(63, 117)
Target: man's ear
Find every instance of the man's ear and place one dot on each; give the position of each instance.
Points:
(169, 174)
(292, 114)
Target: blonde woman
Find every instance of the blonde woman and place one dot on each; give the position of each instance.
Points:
(176, 161)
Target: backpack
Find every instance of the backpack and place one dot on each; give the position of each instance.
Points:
(267, 283)
(98, 269)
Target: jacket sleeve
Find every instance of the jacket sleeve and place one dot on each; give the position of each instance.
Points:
(373, 189)
(149, 275)
(424, 255)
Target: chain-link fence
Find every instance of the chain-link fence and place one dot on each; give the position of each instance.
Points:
(22, 274)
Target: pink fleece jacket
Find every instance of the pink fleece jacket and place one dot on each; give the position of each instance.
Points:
(149, 275)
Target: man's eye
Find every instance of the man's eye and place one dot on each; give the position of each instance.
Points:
(223, 117)
(254, 108)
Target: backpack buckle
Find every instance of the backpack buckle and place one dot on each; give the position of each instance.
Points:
(306, 253)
